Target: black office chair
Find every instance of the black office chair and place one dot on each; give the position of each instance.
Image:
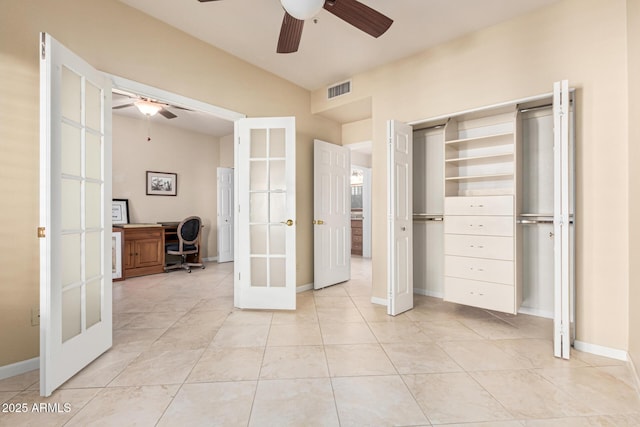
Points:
(188, 244)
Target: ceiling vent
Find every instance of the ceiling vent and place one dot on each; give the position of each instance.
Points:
(339, 89)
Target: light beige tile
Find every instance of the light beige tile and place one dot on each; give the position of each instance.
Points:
(299, 315)
(376, 401)
(358, 359)
(6, 395)
(294, 402)
(214, 303)
(126, 406)
(538, 352)
(182, 304)
(346, 333)
(209, 319)
(622, 373)
(228, 364)
(103, 370)
(595, 360)
(150, 320)
(333, 301)
(185, 338)
(454, 398)
(448, 330)
(377, 313)
(20, 382)
(482, 355)
(490, 424)
(494, 328)
(135, 340)
(241, 335)
(525, 394)
(219, 404)
(595, 388)
(158, 367)
(248, 317)
(331, 291)
(339, 315)
(393, 332)
(420, 358)
(294, 362)
(54, 410)
(622, 420)
(294, 334)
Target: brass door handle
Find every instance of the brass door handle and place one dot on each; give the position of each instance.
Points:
(289, 222)
(318, 222)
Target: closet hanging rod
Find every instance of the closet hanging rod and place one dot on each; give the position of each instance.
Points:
(432, 127)
(540, 107)
(537, 221)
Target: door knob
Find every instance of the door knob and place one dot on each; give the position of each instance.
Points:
(319, 222)
(289, 222)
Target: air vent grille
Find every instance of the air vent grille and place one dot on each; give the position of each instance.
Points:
(339, 89)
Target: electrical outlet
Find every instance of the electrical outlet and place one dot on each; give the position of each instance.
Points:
(35, 316)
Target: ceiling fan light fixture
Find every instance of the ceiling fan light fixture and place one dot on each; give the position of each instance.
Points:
(148, 108)
(302, 9)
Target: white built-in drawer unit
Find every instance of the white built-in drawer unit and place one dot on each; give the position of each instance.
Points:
(479, 205)
(480, 251)
(492, 296)
(494, 247)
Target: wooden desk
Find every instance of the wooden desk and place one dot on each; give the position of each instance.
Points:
(143, 248)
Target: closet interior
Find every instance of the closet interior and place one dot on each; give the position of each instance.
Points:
(483, 207)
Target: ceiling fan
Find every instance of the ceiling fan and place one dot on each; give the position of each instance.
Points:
(353, 12)
(148, 107)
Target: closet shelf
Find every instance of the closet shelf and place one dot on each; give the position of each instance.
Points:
(487, 140)
(491, 177)
(481, 159)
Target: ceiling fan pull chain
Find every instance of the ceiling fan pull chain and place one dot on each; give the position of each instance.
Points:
(148, 128)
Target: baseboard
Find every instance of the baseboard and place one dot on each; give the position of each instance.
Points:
(428, 293)
(599, 350)
(19, 368)
(379, 301)
(635, 372)
(304, 288)
(535, 312)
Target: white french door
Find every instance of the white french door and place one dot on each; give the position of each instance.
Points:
(400, 218)
(331, 213)
(75, 222)
(225, 214)
(265, 250)
(562, 210)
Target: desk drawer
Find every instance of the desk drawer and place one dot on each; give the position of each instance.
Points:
(491, 296)
(479, 225)
(479, 205)
(493, 247)
(487, 270)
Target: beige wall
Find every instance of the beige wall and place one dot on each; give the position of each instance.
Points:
(226, 151)
(358, 131)
(583, 41)
(633, 28)
(193, 156)
(122, 41)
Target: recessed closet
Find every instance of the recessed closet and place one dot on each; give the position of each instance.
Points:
(492, 197)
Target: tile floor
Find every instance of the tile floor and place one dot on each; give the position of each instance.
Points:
(183, 356)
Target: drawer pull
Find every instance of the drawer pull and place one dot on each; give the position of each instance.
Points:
(479, 225)
(476, 206)
(479, 294)
(477, 247)
(476, 269)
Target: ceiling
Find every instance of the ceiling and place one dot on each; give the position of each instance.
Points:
(330, 50)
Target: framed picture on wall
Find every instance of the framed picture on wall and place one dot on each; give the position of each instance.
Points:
(120, 211)
(162, 183)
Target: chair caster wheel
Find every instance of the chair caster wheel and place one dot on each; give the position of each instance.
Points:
(188, 271)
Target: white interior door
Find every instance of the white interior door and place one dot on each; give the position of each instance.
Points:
(331, 213)
(225, 214)
(400, 218)
(265, 250)
(75, 201)
(561, 221)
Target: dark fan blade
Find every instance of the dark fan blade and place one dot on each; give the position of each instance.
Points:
(290, 34)
(360, 16)
(167, 114)
(117, 107)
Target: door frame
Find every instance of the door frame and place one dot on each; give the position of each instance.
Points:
(228, 171)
